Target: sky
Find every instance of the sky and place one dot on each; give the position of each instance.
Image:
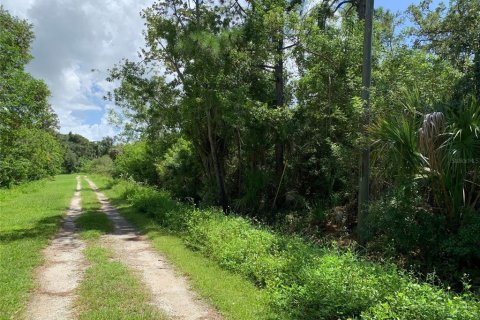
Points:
(74, 37)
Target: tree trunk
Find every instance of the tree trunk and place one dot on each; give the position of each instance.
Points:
(360, 6)
(279, 103)
(240, 163)
(363, 193)
(222, 194)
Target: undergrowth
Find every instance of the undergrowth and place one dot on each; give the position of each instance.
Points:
(305, 281)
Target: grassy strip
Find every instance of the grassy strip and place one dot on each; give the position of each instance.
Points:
(29, 216)
(93, 223)
(303, 280)
(109, 290)
(234, 296)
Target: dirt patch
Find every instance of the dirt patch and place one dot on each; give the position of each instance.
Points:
(170, 292)
(63, 268)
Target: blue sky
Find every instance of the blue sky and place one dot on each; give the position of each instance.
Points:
(398, 5)
(73, 37)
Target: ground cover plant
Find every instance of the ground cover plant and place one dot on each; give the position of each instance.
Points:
(29, 216)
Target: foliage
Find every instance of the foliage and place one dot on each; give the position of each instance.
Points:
(135, 161)
(79, 151)
(257, 109)
(30, 214)
(102, 165)
(28, 149)
(33, 155)
(178, 170)
(293, 270)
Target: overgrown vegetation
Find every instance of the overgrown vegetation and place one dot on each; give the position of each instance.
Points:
(258, 110)
(303, 280)
(29, 216)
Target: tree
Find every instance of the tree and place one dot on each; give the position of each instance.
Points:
(26, 117)
(452, 33)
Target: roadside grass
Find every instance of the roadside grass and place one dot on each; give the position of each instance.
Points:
(110, 290)
(92, 222)
(29, 215)
(234, 296)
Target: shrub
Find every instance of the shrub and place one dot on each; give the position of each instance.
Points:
(401, 222)
(156, 204)
(102, 165)
(136, 162)
(400, 226)
(305, 281)
(424, 302)
(235, 245)
(178, 170)
(34, 154)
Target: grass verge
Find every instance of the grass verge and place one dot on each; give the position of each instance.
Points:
(29, 216)
(110, 290)
(234, 296)
(92, 222)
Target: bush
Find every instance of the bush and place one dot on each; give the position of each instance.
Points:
(102, 165)
(401, 222)
(134, 161)
(178, 170)
(400, 226)
(156, 204)
(305, 281)
(34, 154)
(424, 302)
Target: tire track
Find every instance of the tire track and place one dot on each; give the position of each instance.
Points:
(63, 269)
(170, 292)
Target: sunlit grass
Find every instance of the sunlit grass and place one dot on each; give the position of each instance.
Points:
(110, 290)
(29, 216)
(92, 222)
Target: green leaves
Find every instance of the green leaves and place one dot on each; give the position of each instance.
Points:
(34, 154)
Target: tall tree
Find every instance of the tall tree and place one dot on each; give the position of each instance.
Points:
(24, 107)
(453, 33)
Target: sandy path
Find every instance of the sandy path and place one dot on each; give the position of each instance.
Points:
(170, 292)
(61, 272)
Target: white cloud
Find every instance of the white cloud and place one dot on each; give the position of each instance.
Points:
(72, 38)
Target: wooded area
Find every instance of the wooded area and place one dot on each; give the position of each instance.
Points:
(257, 107)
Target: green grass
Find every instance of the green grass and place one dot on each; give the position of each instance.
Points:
(93, 223)
(235, 297)
(110, 291)
(29, 216)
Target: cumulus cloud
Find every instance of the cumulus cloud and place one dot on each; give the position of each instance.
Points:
(72, 39)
